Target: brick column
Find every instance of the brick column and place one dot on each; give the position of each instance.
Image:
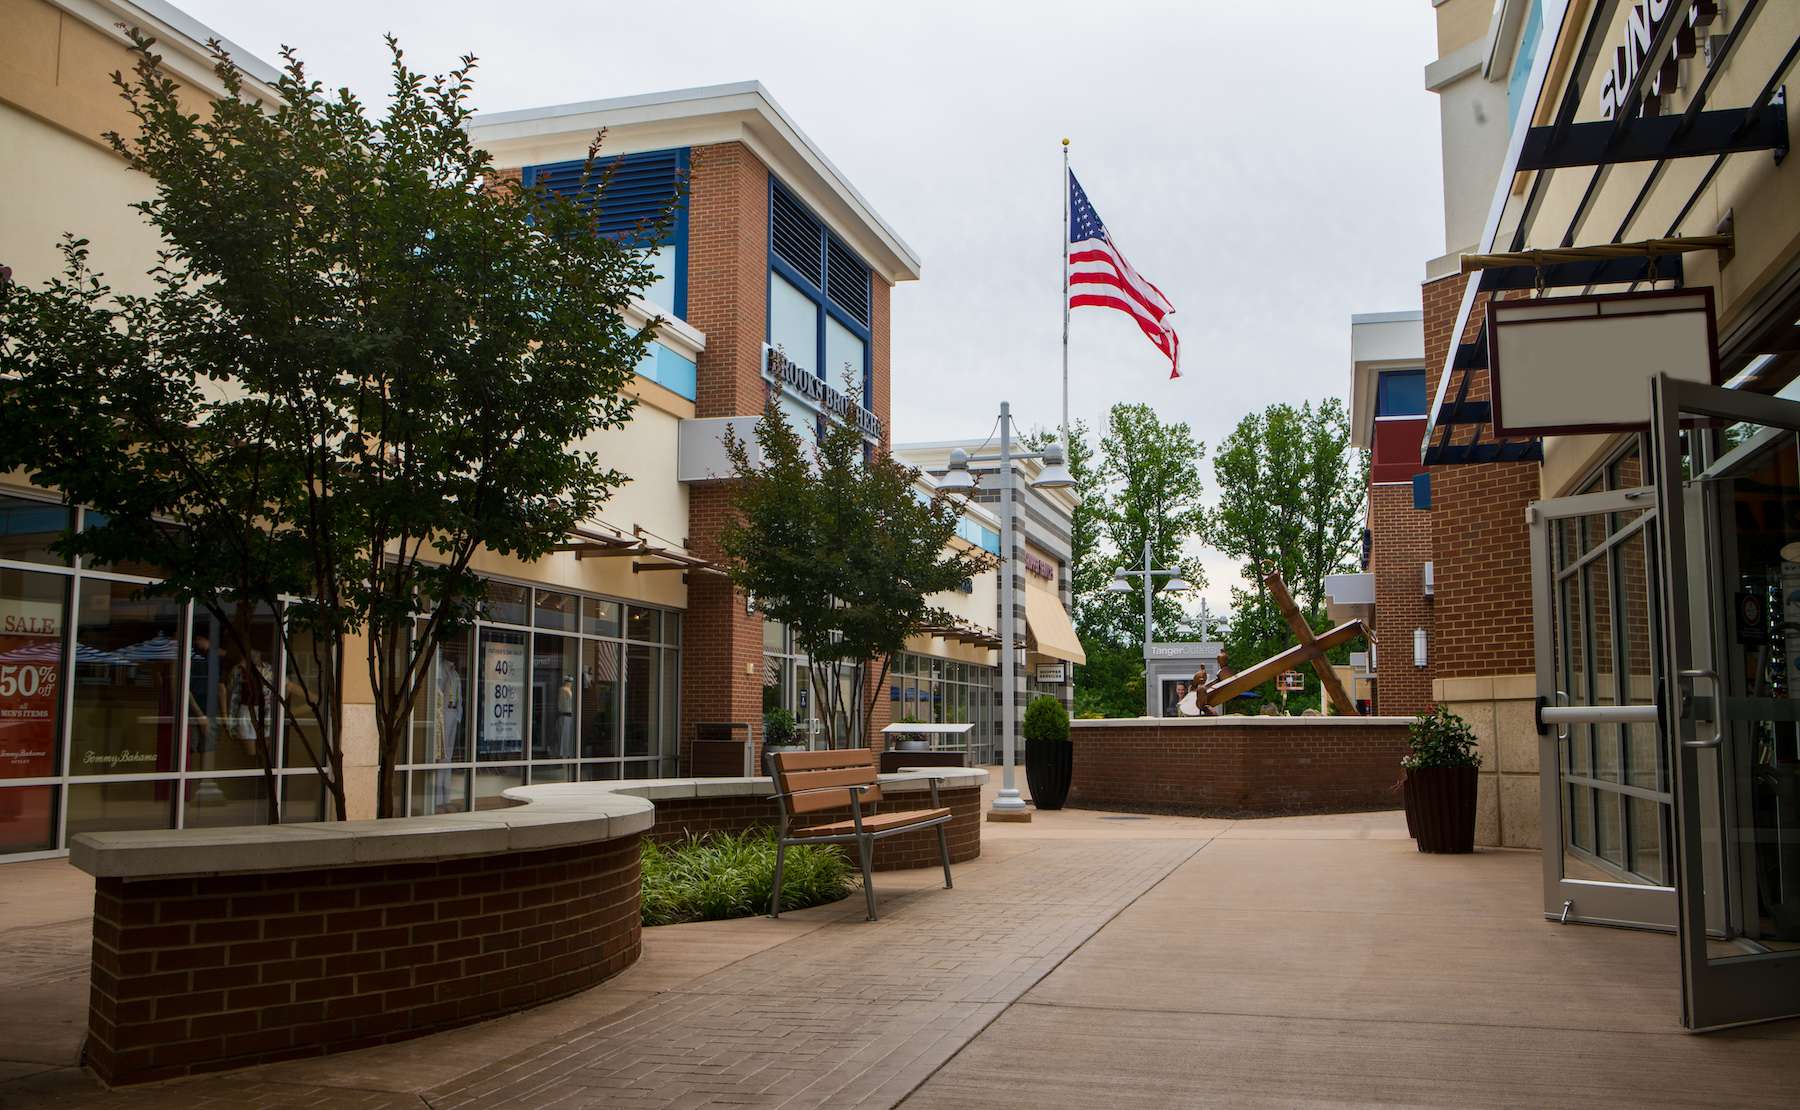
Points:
(1481, 650)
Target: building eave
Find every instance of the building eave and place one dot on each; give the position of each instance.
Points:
(741, 112)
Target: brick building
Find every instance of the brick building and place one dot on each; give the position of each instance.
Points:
(1609, 442)
(596, 662)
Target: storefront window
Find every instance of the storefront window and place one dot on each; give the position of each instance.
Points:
(643, 665)
(28, 528)
(600, 617)
(440, 729)
(443, 790)
(507, 603)
(576, 697)
(555, 661)
(121, 806)
(128, 671)
(599, 699)
(223, 704)
(237, 800)
(27, 818)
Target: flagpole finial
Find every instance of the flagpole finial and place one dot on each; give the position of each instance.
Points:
(1065, 142)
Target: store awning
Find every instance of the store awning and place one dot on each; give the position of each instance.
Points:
(1052, 632)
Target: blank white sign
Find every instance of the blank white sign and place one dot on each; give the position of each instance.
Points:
(1586, 364)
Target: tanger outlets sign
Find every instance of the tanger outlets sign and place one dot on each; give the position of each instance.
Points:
(817, 393)
(1642, 22)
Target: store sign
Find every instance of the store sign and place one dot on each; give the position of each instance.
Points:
(1642, 22)
(1043, 568)
(1292, 682)
(1052, 674)
(817, 393)
(503, 700)
(1575, 365)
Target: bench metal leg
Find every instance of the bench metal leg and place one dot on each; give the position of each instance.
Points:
(775, 898)
(944, 853)
(865, 847)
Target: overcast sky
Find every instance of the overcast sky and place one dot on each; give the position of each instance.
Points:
(1271, 166)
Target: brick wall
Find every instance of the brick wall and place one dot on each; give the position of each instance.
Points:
(1400, 547)
(678, 817)
(1219, 767)
(215, 971)
(1480, 544)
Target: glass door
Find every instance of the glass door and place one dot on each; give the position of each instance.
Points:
(1728, 499)
(1603, 762)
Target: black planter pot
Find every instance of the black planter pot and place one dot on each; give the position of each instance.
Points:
(1049, 764)
(1411, 806)
(1443, 800)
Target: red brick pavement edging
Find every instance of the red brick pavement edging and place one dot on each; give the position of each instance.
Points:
(213, 971)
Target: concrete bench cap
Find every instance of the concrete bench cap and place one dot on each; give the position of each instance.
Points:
(552, 815)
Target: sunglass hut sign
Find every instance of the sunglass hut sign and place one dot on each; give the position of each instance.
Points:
(817, 392)
(1642, 22)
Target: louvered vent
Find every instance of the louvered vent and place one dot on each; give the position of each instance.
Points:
(797, 237)
(849, 281)
(626, 204)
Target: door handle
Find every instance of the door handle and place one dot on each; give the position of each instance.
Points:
(1718, 736)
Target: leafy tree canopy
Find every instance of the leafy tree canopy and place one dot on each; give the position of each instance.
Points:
(364, 359)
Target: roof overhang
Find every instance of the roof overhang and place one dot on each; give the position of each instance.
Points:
(1379, 341)
(742, 112)
(1557, 141)
(180, 39)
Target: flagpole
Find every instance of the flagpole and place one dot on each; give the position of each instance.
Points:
(1065, 296)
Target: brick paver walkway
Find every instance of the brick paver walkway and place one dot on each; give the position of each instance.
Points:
(850, 1014)
(854, 1015)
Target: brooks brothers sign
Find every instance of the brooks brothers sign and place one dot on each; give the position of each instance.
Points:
(817, 393)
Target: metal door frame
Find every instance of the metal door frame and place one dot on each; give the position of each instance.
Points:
(1748, 988)
(1583, 901)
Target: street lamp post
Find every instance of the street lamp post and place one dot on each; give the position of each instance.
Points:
(960, 478)
(1121, 584)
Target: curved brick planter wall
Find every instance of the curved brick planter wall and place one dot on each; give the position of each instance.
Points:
(219, 948)
(1239, 766)
(219, 971)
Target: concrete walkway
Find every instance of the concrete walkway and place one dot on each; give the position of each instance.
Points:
(1086, 960)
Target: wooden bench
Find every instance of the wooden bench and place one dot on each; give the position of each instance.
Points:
(808, 782)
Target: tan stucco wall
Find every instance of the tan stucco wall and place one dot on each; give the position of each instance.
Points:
(1500, 711)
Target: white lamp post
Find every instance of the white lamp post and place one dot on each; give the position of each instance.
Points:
(961, 479)
(1122, 584)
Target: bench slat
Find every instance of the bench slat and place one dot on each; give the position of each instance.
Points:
(795, 781)
(817, 761)
(811, 801)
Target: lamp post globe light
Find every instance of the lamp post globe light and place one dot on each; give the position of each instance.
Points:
(1122, 584)
(960, 478)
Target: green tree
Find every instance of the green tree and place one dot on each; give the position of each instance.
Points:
(1150, 487)
(363, 361)
(834, 542)
(1291, 493)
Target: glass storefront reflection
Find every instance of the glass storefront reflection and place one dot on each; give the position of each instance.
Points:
(127, 681)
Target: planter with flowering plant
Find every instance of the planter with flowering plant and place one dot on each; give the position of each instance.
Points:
(1441, 774)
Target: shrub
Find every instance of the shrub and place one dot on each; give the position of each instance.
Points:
(724, 875)
(779, 727)
(1046, 719)
(1439, 738)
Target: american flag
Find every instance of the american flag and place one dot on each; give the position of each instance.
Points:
(1100, 276)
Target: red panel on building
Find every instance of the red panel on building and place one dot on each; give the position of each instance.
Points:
(1396, 454)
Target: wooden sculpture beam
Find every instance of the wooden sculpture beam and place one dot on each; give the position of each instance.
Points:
(1296, 620)
(1251, 677)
